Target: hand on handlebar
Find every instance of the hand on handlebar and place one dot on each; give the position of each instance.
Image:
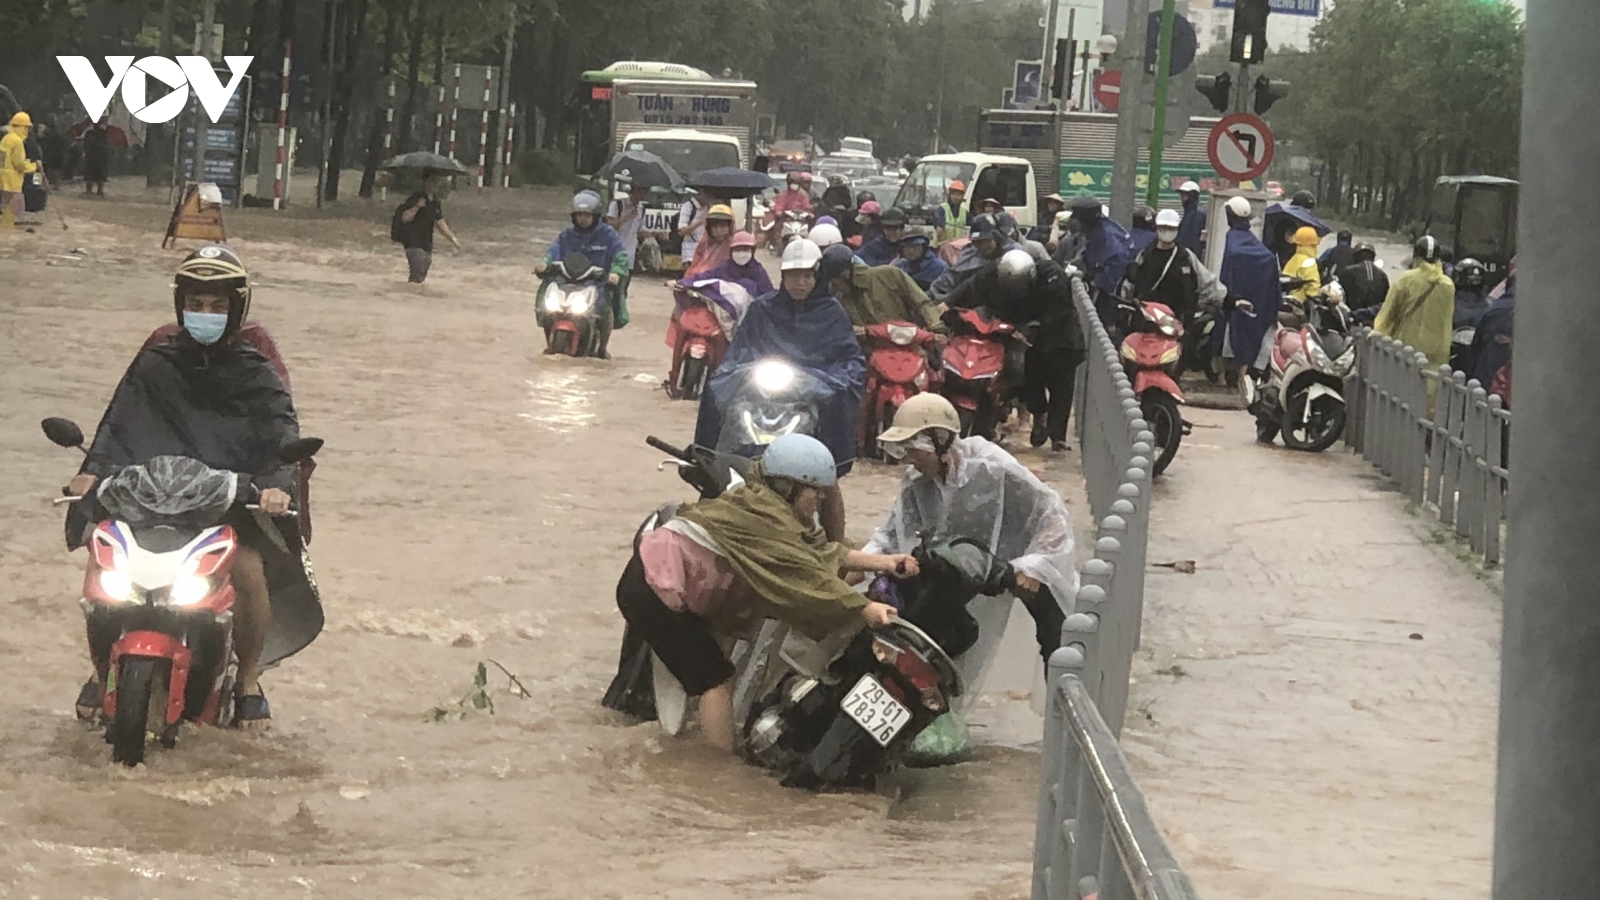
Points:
(540, 269)
(877, 615)
(1027, 585)
(274, 502)
(80, 485)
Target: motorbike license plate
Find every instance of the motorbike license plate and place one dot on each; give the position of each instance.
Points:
(873, 709)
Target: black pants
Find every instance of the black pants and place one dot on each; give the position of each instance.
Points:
(1051, 377)
(683, 640)
(1048, 620)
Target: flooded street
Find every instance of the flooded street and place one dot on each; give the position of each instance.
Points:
(475, 502)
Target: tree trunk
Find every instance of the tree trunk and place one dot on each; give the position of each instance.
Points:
(413, 72)
(349, 31)
(391, 33)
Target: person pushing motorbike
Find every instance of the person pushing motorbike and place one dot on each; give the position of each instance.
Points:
(1040, 303)
(754, 549)
(207, 395)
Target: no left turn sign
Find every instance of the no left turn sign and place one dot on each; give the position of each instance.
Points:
(1240, 147)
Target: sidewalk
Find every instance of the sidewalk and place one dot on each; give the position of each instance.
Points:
(1314, 710)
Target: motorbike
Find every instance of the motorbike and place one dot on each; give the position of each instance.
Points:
(974, 376)
(157, 593)
(775, 398)
(701, 344)
(1197, 353)
(1152, 354)
(573, 307)
(897, 370)
(796, 223)
(835, 719)
(1301, 395)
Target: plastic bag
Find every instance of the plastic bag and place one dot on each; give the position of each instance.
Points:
(945, 739)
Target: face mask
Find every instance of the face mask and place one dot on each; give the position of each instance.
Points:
(794, 187)
(743, 257)
(205, 328)
(1166, 235)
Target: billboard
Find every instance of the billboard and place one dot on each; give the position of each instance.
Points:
(1284, 7)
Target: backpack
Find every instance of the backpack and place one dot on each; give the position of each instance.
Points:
(397, 225)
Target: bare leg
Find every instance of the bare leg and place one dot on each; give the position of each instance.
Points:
(252, 614)
(716, 715)
(832, 513)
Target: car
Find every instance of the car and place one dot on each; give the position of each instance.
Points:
(1275, 189)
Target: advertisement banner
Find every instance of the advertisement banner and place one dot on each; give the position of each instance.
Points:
(1094, 176)
(1283, 7)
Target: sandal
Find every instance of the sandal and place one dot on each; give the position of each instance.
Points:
(251, 710)
(90, 705)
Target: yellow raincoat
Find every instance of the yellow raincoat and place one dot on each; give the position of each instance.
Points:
(1419, 310)
(1303, 264)
(14, 162)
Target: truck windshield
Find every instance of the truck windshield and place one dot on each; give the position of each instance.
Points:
(1008, 184)
(1485, 222)
(929, 182)
(857, 145)
(689, 157)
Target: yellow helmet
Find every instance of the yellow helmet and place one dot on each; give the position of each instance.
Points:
(21, 120)
(1306, 236)
(721, 211)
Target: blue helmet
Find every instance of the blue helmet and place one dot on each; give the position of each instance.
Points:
(800, 458)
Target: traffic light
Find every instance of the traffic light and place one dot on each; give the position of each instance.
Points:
(1249, 31)
(1061, 78)
(1268, 92)
(1216, 88)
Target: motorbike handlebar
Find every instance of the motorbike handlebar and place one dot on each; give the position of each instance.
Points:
(668, 449)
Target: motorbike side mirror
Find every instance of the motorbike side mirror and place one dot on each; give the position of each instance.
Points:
(63, 432)
(300, 450)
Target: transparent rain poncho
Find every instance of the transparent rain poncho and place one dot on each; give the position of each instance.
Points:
(171, 489)
(992, 498)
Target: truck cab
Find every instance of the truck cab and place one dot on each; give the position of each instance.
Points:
(1008, 179)
(1476, 216)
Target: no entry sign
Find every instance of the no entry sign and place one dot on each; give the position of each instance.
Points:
(1240, 147)
(1108, 88)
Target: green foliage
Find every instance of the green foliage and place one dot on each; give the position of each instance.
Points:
(1397, 92)
(479, 697)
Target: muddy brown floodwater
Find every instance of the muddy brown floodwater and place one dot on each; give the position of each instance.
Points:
(475, 501)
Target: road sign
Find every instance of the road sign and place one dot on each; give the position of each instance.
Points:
(1108, 88)
(1184, 44)
(1240, 147)
(1282, 7)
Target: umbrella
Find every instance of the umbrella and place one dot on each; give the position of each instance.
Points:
(641, 168)
(116, 135)
(731, 182)
(423, 159)
(1300, 214)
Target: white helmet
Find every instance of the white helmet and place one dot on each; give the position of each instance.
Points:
(825, 235)
(920, 413)
(1240, 207)
(1334, 291)
(1188, 187)
(800, 254)
(1016, 268)
(801, 458)
(1168, 218)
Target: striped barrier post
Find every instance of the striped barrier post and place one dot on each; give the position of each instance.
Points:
(283, 131)
(388, 137)
(483, 131)
(455, 106)
(438, 118)
(505, 160)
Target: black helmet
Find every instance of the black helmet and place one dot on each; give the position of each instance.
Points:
(1365, 253)
(1304, 200)
(1469, 272)
(1426, 248)
(984, 228)
(1144, 217)
(1086, 208)
(893, 217)
(837, 259)
(214, 268)
(1007, 224)
(864, 196)
(836, 181)
(1345, 237)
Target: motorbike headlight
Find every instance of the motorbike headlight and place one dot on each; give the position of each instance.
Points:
(1171, 356)
(921, 381)
(578, 304)
(1128, 352)
(773, 376)
(1318, 356)
(117, 585)
(188, 590)
(552, 301)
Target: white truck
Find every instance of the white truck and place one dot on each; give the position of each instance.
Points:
(986, 176)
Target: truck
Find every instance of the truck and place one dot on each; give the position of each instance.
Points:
(1072, 152)
(1012, 180)
(1476, 216)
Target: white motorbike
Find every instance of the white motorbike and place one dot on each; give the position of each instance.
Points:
(1301, 395)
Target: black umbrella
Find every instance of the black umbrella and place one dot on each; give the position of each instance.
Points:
(423, 159)
(641, 168)
(1301, 215)
(731, 182)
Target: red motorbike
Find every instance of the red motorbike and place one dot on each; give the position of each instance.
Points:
(1152, 354)
(897, 370)
(699, 348)
(975, 368)
(157, 593)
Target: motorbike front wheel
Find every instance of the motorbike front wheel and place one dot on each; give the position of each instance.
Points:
(1166, 423)
(1317, 432)
(560, 342)
(137, 679)
(691, 378)
(1266, 431)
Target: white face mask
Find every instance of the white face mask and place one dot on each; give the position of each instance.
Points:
(743, 257)
(794, 187)
(1166, 235)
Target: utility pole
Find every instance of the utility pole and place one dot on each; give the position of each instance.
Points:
(208, 19)
(1158, 132)
(938, 100)
(1047, 58)
(1125, 162)
(1547, 797)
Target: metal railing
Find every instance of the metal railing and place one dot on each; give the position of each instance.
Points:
(1095, 838)
(1441, 437)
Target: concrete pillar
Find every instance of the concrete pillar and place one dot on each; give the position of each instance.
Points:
(1547, 814)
